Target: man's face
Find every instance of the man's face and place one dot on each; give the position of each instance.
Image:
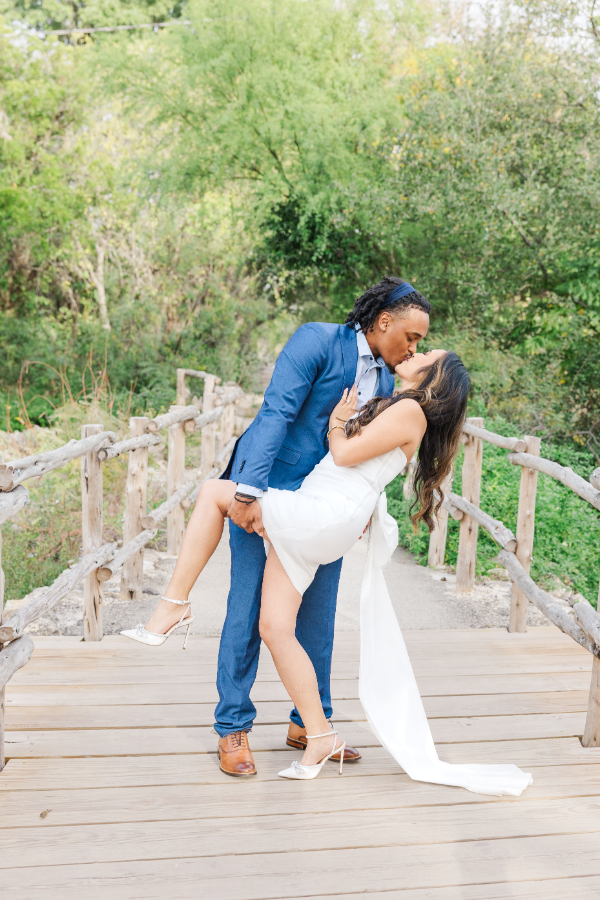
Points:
(395, 338)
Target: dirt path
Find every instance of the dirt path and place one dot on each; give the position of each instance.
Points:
(422, 597)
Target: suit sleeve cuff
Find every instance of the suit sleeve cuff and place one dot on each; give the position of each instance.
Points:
(250, 489)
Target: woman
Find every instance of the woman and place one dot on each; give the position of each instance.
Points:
(320, 522)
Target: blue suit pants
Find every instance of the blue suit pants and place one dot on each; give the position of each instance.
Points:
(240, 641)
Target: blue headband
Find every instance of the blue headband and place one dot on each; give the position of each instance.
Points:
(396, 293)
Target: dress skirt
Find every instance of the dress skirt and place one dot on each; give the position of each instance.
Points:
(318, 524)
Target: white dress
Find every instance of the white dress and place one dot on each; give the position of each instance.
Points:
(318, 524)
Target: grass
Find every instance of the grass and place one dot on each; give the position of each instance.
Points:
(45, 537)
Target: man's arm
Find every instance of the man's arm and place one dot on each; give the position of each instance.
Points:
(296, 370)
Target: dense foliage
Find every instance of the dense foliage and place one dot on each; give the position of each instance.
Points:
(567, 528)
(186, 196)
(164, 194)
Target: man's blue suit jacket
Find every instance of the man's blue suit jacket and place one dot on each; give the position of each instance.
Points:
(287, 439)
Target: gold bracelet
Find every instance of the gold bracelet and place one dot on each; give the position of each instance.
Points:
(333, 429)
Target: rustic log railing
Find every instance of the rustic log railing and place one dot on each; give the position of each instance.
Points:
(101, 560)
(14, 473)
(516, 551)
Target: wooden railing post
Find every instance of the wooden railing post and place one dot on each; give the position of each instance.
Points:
(91, 529)
(228, 418)
(591, 732)
(2, 750)
(525, 533)
(175, 475)
(437, 539)
(227, 424)
(180, 387)
(595, 482)
(132, 574)
(471, 490)
(209, 431)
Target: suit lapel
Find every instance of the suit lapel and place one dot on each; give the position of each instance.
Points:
(349, 354)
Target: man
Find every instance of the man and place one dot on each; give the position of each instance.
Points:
(283, 444)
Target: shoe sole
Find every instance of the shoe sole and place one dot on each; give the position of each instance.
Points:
(298, 746)
(239, 774)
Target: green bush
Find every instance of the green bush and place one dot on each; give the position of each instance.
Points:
(567, 528)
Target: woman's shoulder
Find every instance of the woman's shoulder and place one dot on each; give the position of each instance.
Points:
(407, 407)
(407, 416)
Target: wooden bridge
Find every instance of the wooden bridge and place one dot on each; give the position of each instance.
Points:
(112, 789)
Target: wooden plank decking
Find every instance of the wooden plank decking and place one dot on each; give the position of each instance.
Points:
(113, 788)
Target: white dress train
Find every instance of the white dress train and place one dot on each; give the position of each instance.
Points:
(316, 525)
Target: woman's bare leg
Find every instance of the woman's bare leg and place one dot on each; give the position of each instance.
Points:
(278, 612)
(202, 536)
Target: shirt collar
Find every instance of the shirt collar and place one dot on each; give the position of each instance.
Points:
(364, 350)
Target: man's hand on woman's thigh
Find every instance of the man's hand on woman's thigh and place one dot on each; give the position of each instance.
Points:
(247, 516)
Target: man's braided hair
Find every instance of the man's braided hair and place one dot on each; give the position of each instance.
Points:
(368, 306)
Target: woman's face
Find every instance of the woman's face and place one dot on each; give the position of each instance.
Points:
(409, 369)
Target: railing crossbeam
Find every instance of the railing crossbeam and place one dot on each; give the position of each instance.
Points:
(490, 437)
(13, 473)
(543, 601)
(13, 626)
(561, 473)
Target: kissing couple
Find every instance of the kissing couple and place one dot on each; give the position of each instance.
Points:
(303, 484)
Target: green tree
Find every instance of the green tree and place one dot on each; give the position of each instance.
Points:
(49, 15)
(89, 240)
(290, 103)
(42, 112)
(499, 171)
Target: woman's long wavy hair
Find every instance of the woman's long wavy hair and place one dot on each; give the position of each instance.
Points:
(441, 392)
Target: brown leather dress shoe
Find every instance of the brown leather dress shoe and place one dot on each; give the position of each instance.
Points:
(235, 756)
(296, 737)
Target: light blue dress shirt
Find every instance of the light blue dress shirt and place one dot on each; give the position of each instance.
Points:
(368, 370)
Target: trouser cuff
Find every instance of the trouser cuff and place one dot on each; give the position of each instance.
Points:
(224, 730)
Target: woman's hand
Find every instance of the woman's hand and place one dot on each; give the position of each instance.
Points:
(346, 408)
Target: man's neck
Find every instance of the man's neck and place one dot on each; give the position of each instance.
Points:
(372, 344)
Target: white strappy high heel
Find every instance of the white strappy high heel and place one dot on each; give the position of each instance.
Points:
(305, 773)
(140, 634)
